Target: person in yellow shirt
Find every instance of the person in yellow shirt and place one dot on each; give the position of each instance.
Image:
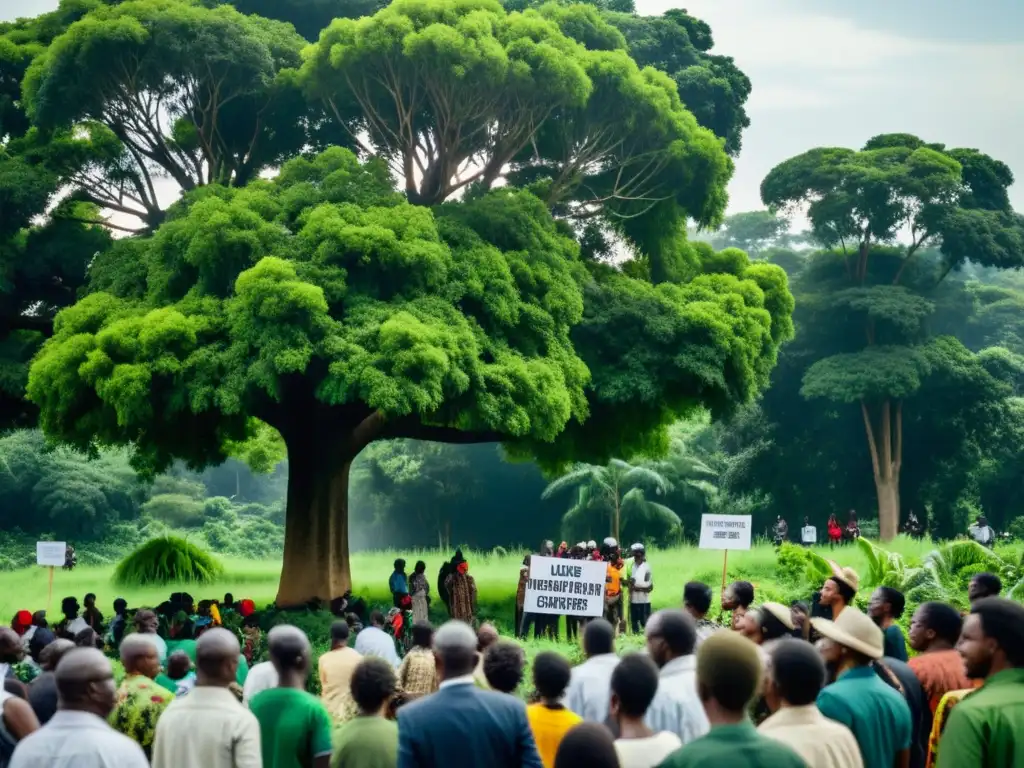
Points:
(336, 668)
(549, 719)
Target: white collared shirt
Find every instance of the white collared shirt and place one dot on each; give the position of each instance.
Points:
(261, 677)
(207, 728)
(77, 740)
(462, 680)
(641, 578)
(590, 687)
(676, 707)
(372, 641)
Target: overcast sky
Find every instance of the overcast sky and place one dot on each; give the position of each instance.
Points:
(835, 73)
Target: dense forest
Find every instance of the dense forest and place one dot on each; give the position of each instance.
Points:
(298, 276)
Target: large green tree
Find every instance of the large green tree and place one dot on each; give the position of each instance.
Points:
(871, 299)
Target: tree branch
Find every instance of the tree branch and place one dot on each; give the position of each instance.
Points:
(871, 437)
(414, 429)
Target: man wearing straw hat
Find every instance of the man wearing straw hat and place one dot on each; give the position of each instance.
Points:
(839, 589)
(878, 716)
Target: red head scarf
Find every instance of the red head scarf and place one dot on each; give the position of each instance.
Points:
(22, 621)
(247, 608)
(463, 567)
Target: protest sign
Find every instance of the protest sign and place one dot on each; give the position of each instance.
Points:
(809, 535)
(725, 531)
(566, 587)
(50, 553)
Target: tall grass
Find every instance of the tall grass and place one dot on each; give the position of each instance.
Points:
(167, 560)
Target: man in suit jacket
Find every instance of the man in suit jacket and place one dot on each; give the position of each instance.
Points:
(461, 723)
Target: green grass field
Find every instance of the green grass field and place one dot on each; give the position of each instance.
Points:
(496, 577)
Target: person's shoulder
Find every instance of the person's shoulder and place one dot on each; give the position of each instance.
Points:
(778, 754)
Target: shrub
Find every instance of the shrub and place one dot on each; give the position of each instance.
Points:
(175, 509)
(167, 560)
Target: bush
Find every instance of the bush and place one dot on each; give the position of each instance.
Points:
(164, 561)
(175, 509)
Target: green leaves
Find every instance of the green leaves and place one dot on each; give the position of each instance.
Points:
(875, 372)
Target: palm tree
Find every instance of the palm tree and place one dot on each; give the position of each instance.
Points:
(618, 490)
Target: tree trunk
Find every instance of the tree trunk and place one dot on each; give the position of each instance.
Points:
(316, 562)
(888, 490)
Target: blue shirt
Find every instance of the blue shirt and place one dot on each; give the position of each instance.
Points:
(397, 584)
(876, 713)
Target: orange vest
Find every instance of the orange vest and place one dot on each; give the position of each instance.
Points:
(614, 581)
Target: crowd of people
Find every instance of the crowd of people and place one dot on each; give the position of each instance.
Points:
(838, 534)
(818, 685)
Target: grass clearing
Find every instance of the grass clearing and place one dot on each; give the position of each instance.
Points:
(496, 577)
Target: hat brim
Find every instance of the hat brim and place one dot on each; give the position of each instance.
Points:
(782, 613)
(839, 574)
(827, 628)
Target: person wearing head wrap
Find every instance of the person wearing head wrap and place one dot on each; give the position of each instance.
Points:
(247, 608)
(21, 623)
(462, 593)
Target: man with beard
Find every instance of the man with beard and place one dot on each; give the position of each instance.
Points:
(986, 730)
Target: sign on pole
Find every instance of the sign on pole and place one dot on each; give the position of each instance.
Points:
(566, 587)
(725, 531)
(51, 553)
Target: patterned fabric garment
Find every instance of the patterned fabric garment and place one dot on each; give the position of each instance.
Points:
(420, 597)
(462, 591)
(942, 712)
(418, 674)
(140, 702)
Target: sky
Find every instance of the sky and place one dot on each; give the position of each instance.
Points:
(836, 73)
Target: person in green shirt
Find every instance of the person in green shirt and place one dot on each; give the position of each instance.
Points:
(728, 679)
(986, 730)
(886, 606)
(369, 740)
(295, 729)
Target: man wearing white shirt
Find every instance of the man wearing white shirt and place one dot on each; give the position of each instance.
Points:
(671, 638)
(79, 736)
(590, 685)
(374, 641)
(808, 534)
(640, 585)
(261, 677)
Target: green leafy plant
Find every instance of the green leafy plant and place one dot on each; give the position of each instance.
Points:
(167, 560)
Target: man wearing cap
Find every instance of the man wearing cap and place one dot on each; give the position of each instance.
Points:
(839, 589)
(640, 584)
(877, 714)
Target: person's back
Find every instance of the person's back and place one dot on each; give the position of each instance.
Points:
(78, 736)
(42, 696)
(369, 740)
(476, 728)
(634, 685)
(261, 677)
(590, 683)
(295, 729)
(549, 718)
(877, 714)
(209, 727)
(336, 668)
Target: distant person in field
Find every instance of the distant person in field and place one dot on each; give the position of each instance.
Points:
(986, 729)
(398, 583)
(591, 682)
(462, 724)
(835, 531)
(295, 729)
(852, 531)
(462, 593)
(369, 740)
(641, 584)
(984, 585)
(140, 700)
(209, 727)
(549, 719)
(634, 686)
(419, 588)
(78, 736)
(886, 606)
(981, 532)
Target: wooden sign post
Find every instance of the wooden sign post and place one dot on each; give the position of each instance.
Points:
(51, 555)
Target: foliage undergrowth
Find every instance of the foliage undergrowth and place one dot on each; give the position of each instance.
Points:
(167, 560)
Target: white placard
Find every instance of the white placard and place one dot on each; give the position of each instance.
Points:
(725, 531)
(809, 534)
(566, 587)
(51, 553)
